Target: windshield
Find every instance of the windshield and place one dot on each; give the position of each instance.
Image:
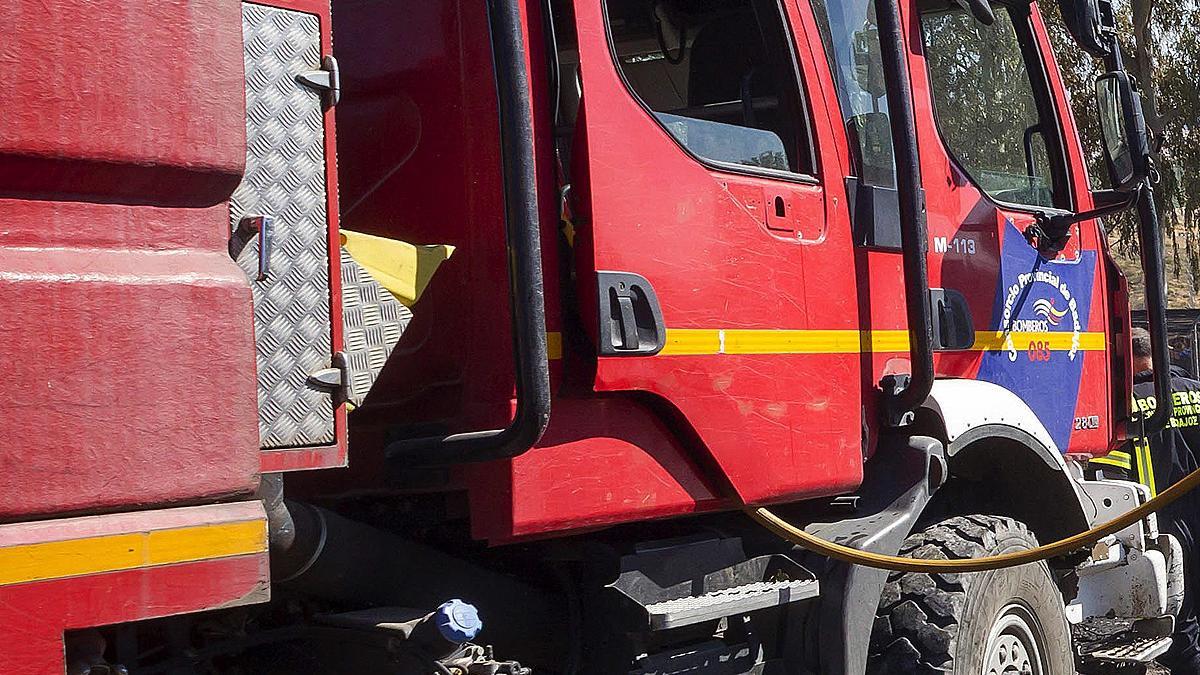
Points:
(986, 103)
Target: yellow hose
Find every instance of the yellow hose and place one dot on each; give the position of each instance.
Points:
(799, 537)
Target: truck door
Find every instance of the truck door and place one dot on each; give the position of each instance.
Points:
(713, 248)
(1008, 150)
(283, 232)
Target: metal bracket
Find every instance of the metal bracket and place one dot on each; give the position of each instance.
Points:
(327, 81)
(335, 379)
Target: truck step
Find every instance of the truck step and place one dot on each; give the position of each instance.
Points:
(743, 599)
(1134, 650)
(1117, 641)
(687, 581)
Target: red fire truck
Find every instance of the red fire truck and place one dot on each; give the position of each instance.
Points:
(835, 257)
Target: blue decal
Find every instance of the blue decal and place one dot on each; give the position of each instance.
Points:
(1038, 296)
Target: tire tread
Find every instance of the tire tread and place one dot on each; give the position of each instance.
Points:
(917, 622)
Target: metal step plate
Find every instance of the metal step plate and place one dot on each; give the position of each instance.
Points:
(729, 602)
(1116, 640)
(373, 322)
(1133, 650)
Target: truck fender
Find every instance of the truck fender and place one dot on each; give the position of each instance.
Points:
(993, 437)
(974, 429)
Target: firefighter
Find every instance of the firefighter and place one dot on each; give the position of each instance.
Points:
(1159, 462)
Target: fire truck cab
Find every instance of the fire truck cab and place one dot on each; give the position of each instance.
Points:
(355, 335)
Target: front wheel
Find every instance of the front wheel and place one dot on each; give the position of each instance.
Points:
(1000, 622)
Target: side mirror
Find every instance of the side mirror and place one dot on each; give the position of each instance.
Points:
(1123, 128)
(1091, 24)
(868, 62)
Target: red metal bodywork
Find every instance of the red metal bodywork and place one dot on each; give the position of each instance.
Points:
(129, 359)
(128, 343)
(638, 437)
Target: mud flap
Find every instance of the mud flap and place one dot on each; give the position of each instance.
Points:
(897, 485)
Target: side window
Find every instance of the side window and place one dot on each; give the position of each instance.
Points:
(719, 75)
(851, 39)
(986, 104)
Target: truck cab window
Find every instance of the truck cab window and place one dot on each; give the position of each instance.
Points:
(989, 106)
(719, 75)
(851, 39)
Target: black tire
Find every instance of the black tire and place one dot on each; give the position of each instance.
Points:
(941, 623)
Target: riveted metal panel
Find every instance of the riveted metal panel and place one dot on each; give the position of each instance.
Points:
(285, 179)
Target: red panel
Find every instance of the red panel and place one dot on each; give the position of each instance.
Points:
(131, 379)
(128, 343)
(601, 462)
(778, 426)
(419, 144)
(33, 616)
(122, 101)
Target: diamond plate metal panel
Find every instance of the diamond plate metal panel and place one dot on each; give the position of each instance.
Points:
(373, 320)
(285, 178)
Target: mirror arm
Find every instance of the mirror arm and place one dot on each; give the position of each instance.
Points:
(1050, 233)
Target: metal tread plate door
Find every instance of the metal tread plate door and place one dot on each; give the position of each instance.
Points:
(372, 321)
(285, 179)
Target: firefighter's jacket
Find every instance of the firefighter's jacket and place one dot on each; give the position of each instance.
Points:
(1166, 457)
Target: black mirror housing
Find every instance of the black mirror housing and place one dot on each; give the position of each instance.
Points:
(1091, 24)
(1123, 128)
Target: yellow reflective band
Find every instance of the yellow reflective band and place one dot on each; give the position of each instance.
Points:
(792, 342)
(1115, 458)
(692, 341)
(713, 341)
(554, 345)
(1145, 464)
(1057, 341)
(112, 553)
(885, 341)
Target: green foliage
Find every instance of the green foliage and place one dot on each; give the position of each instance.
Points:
(1161, 49)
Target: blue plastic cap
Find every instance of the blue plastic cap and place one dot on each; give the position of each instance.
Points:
(458, 621)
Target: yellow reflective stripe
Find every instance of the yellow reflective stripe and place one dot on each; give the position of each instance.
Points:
(885, 341)
(692, 341)
(792, 342)
(1058, 341)
(1145, 465)
(112, 553)
(554, 345)
(1115, 458)
(712, 341)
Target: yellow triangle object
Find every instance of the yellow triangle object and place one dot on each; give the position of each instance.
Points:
(402, 268)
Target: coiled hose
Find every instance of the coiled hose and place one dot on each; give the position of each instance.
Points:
(797, 536)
